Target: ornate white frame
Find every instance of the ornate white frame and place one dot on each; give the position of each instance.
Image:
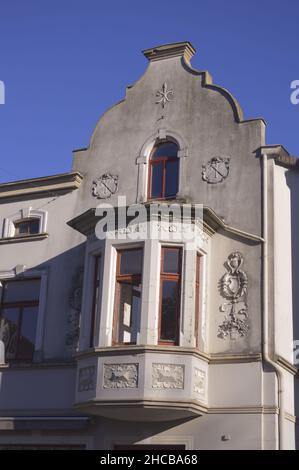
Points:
(8, 230)
(143, 159)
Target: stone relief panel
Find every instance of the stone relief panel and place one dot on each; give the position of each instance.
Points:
(165, 95)
(168, 376)
(199, 384)
(120, 376)
(105, 186)
(216, 170)
(74, 314)
(86, 379)
(233, 287)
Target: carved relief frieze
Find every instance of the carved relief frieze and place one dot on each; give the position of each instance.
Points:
(168, 376)
(120, 376)
(216, 170)
(199, 384)
(233, 287)
(105, 186)
(74, 313)
(86, 379)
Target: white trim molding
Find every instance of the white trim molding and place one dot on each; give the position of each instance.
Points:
(143, 159)
(24, 213)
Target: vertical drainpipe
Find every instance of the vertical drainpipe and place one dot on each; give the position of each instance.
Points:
(265, 349)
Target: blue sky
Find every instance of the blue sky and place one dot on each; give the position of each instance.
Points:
(64, 62)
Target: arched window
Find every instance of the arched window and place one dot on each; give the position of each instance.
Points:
(163, 171)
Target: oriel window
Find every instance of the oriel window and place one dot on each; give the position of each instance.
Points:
(170, 295)
(127, 304)
(95, 297)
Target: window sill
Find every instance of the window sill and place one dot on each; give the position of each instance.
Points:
(25, 238)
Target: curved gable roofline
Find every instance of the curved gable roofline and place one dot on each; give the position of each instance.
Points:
(183, 50)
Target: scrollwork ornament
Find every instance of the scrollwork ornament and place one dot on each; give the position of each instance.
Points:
(233, 287)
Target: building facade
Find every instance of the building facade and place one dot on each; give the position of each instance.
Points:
(148, 297)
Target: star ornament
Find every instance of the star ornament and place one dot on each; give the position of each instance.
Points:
(165, 95)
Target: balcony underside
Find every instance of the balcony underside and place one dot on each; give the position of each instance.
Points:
(142, 410)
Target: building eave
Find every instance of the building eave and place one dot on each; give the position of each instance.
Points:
(280, 155)
(43, 186)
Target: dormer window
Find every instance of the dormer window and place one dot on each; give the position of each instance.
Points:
(163, 171)
(29, 226)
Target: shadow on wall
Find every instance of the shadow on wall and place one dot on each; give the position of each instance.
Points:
(46, 388)
(292, 179)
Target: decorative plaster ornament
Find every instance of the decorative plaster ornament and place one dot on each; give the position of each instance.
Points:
(104, 186)
(86, 379)
(216, 170)
(165, 95)
(120, 376)
(73, 318)
(167, 376)
(233, 287)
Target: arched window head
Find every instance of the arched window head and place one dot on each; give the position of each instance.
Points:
(163, 171)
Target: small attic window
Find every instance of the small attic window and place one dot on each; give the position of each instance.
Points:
(163, 171)
(29, 226)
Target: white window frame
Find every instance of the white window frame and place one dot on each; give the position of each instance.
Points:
(25, 213)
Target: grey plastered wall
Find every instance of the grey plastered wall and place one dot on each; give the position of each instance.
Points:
(60, 255)
(206, 119)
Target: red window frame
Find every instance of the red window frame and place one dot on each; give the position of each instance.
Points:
(125, 279)
(177, 277)
(158, 161)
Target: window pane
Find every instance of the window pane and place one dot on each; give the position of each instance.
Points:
(18, 291)
(170, 302)
(28, 333)
(167, 149)
(129, 312)
(9, 330)
(27, 227)
(171, 260)
(171, 178)
(157, 180)
(131, 262)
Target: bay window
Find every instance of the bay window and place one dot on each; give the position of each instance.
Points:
(197, 297)
(170, 294)
(127, 303)
(95, 296)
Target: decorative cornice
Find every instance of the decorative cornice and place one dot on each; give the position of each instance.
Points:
(86, 222)
(24, 238)
(47, 185)
(280, 155)
(38, 365)
(234, 358)
(286, 365)
(133, 350)
(177, 405)
(166, 51)
(43, 422)
(243, 410)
